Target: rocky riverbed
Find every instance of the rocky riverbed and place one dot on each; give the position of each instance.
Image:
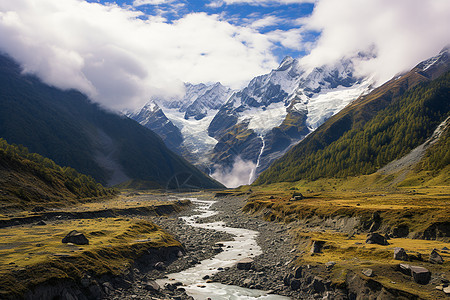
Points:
(268, 271)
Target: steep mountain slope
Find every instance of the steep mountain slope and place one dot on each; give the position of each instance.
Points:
(28, 179)
(257, 124)
(198, 100)
(67, 128)
(152, 117)
(278, 109)
(182, 121)
(373, 130)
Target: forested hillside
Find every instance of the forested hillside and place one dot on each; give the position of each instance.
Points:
(374, 130)
(69, 129)
(29, 178)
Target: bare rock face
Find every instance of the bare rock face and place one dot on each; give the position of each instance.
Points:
(400, 254)
(435, 258)
(75, 237)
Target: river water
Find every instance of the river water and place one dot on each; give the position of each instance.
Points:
(244, 245)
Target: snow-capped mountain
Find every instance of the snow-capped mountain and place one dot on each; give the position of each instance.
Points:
(277, 110)
(152, 117)
(182, 121)
(198, 101)
(223, 130)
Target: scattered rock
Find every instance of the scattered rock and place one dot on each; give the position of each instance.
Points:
(368, 272)
(317, 285)
(376, 238)
(41, 223)
(420, 275)
(317, 246)
(151, 285)
(330, 264)
(271, 197)
(245, 264)
(296, 198)
(440, 287)
(160, 266)
(435, 258)
(295, 284)
(400, 231)
(108, 287)
(217, 249)
(75, 237)
(447, 290)
(374, 227)
(400, 254)
(405, 269)
(287, 279)
(170, 286)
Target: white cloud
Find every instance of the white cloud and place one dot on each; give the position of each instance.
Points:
(266, 21)
(237, 175)
(402, 32)
(291, 39)
(266, 2)
(120, 60)
(150, 2)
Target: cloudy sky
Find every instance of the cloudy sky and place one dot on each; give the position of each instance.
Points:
(120, 53)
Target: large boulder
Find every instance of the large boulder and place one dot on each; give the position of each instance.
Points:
(75, 237)
(376, 238)
(405, 269)
(245, 264)
(435, 258)
(400, 254)
(420, 275)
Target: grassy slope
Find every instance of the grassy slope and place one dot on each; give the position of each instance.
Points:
(34, 255)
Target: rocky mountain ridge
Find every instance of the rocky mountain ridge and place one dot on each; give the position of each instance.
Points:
(371, 131)
(257, 124)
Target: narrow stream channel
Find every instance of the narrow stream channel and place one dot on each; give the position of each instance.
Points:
(244, 245)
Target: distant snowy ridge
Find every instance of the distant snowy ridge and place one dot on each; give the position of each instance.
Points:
(215, 127)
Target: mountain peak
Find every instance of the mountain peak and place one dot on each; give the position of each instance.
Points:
(285, 63)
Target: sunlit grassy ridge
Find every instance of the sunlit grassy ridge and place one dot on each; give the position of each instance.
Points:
(352, 255)
(339, 213)
(33, 255)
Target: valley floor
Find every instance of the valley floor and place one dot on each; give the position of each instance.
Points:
(126, 254)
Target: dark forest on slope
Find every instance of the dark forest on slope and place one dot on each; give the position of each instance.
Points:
(359, 140)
